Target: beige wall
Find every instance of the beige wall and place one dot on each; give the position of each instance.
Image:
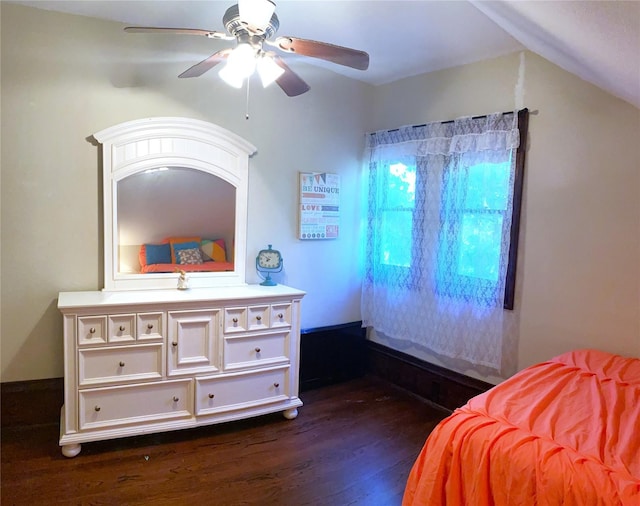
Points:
(578, 281)
(66, 77)
(581, 275)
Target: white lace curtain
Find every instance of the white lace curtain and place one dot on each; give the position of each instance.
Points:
(438, 230)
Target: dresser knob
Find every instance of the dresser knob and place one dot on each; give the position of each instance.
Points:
(258, 317)
(280, 315)
(257, 350)
(174, 343)
(122, 327)
(97, 408)
(211, 396)
(176, 399)
(235, 320)
(276, 385)
(92, 330)
(149, 326)
(121, 364)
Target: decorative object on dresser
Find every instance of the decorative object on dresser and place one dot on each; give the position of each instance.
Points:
(183, 281)
(268, 261)
(141, 356)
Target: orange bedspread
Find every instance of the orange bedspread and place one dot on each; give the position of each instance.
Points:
(566, 431)
(204, 267)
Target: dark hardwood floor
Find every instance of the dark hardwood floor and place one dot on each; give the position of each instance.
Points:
(352, 444)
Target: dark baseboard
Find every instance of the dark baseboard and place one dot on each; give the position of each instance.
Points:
(328, 355)
(32, 402)
(331, 355)
(439, 385)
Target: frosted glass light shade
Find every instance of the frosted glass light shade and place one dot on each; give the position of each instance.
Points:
(229, 76)
(243, 59)
(256, 13)
(240, 64)
(268, 70)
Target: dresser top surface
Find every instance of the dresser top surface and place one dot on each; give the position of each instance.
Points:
(71, 300)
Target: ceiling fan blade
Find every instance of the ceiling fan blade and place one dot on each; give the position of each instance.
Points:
(179, 31)
(330, 52)
(207, 64)
(290, 82)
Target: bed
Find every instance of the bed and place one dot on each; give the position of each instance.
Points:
(188, 254)
(566, 431)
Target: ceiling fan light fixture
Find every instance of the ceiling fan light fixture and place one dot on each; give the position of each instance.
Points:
(232, 78)
(253, 23)
(242, 59)
(268, 70)
(241, 63)
(256, 13)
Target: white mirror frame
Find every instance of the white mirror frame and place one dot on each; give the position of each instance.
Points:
(136, 146)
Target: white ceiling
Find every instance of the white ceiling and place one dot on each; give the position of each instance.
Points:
(597, 40)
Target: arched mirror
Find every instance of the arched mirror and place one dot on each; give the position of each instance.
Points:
(175, 198)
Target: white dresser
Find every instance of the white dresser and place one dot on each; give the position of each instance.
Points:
(138, 362)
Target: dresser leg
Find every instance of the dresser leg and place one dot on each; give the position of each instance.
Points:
(290, 414)
(71, 450)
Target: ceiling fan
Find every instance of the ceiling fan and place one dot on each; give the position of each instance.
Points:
(252, 23)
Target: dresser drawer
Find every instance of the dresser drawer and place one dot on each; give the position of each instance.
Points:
(92, 330)
(281, 315)
(235, 319)
(242, 390)
(255, 350)
(135, 404)
(258, 317)
(150, 326)
(118, 364)
(122, 328)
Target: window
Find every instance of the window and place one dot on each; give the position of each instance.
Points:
(475, 199)
(394, 227)
(397, 206)
(443, 213)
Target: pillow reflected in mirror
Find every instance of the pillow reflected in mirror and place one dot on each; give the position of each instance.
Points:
(189, 256)
(213, 250)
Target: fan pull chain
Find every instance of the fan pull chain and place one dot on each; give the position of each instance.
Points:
(246, 114)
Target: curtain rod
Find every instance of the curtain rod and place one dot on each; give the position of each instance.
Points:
(448, 121)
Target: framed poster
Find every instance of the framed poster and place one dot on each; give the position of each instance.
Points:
(319, 205)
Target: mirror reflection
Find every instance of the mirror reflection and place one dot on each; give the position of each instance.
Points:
(172, 218)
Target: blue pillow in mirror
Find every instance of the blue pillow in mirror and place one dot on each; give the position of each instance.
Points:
(158, 253)
(181, 246)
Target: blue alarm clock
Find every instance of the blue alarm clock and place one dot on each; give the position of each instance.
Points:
(268, 261)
